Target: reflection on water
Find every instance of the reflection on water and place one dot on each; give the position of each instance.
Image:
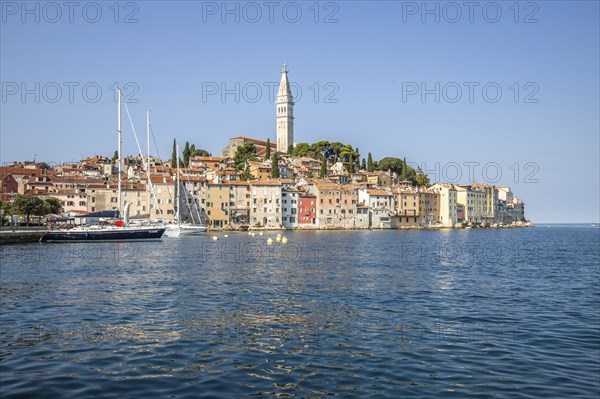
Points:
(508, 313)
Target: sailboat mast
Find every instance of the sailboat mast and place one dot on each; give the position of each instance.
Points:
(148, 163)
(119, 150)
(177, 186)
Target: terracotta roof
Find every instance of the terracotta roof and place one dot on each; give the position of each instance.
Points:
(161, 179)
(205, 158)
(375, 191)
(107, 186)
(265, 182)
(12, 170)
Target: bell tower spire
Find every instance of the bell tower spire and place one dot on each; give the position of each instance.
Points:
(285, 113)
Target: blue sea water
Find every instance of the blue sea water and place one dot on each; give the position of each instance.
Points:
(506, 313)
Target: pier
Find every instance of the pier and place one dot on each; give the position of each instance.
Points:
(21, 235)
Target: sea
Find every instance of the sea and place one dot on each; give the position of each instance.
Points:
(471, 313)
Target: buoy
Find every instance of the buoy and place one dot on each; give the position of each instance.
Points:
(261, 233)
(226, 235)
(215, 238)
(249, 233)
(278, 238)
(284, 240)
(270, 241)
(253, 234)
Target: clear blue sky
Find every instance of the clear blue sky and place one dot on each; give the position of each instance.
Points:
(370, 61)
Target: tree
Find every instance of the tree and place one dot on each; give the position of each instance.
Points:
(186, 154)
(246, 175)
(370, 166)
(290, 149)
(336, 149)
(268, 150)
(243, 154)
(422, 179)
(323, 171)
(115, 156)
(4, 209)
(322, 148)
(302, 150)
(275, 166)
(363, 165)
(28, 205)
(391, 163)
(404, 175)
(198, 152)
(351, 165)
(174, 155)
(53, 205)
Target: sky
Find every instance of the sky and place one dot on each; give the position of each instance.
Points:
(494, 92)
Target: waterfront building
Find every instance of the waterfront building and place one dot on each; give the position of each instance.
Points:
(217, 204)
(307, 210)
(475, 203)
(429, 207)
(336, 204)
(289, 207)
(162, 197)
(380, 204)
(447, 203)
(72, 199)
(240, 198)
(407, 206)
(265, 208)
(136, 194)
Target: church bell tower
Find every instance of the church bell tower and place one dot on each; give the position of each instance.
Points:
(285, 113)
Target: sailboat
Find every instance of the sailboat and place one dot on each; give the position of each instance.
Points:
(121, 230)
(181, 228)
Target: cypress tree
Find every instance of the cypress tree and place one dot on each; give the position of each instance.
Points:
(323, 171)
(174, 155)
(275, 166)
(268, 150)
(370, 166)
(363, 166)
(186, 154)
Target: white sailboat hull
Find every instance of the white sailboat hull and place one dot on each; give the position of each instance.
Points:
(190, 230)
(183, 230)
